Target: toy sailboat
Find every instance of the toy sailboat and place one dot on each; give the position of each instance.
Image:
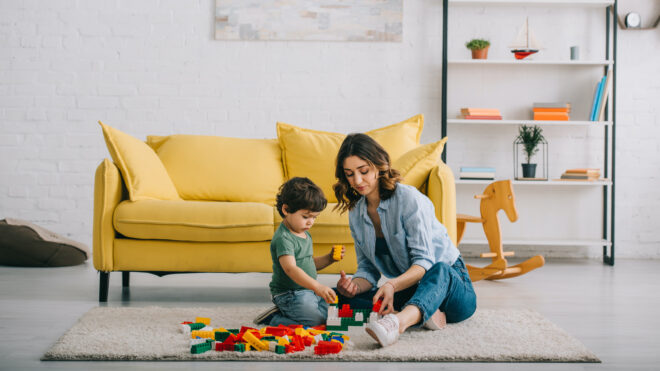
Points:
(525, 44)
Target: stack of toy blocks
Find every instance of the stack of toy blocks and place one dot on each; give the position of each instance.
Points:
(340, 319)
(280, 339)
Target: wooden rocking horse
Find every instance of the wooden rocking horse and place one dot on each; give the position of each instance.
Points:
(497, 196)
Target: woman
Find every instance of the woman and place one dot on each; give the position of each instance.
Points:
(397, 235)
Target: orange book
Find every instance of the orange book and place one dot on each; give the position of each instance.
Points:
(551, 116)
(482, 117)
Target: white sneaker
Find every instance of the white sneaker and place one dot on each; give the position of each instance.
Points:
(385, 331)
(265, 316)
(437, 321)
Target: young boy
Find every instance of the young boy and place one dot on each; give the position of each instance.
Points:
(298, 297)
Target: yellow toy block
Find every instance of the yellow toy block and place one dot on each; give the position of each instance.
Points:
(282, 341)
(336, 252)
(202, 334)
(220, 329)
(252, 340)
(204, 320)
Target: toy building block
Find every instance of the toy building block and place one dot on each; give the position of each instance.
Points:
(345, 311)
(202, 334)
(204, 320)
(377, 305)
(276, 331)
(222, 335)
(336, 252)
(359, 316)
(239, 347)
(327, 347)
(373, 317)
(196, 326)
(252, 340)
(280, 349)
(200, 348)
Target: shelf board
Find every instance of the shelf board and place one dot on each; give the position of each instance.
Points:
(505, 242)
(571, 3)
(527, 122)
(530, 62)
(551, 182)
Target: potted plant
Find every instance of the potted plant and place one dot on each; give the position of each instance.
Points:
(479, 48)
(530, 137)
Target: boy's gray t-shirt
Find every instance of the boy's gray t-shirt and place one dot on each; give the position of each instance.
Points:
(286, 243)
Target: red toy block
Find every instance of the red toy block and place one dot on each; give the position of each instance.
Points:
(376, 307)
(308, 340)
(345, 311)
(320, 328)
(276, 331)
(327, 347)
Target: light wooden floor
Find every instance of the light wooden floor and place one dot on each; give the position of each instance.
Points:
(612, 310)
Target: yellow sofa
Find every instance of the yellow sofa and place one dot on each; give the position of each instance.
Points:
(188, 203)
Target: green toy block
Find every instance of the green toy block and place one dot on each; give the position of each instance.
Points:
(200, 348)
(280, 349)
(239, 347)
(196, 326)
(221, 335)
(269, 338)
(234, 330)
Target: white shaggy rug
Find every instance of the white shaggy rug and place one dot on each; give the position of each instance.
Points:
(152, 333)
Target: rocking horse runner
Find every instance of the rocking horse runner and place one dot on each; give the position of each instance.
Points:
(497, 196)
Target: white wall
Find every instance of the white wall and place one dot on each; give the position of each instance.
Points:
(153, 67)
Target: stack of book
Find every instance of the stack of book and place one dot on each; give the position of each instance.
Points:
(480, 114)
(554, 111)
(477, 173)
(581, 174)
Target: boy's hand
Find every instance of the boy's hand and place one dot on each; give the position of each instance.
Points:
(346, 287)
(326, 293)
(337, 253)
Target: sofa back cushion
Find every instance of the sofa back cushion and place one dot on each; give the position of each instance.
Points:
(221, 168)
(312, 153)
(144, 174)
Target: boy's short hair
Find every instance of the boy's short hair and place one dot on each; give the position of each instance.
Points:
(300, 193)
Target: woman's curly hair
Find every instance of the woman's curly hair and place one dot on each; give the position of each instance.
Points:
(366, 148)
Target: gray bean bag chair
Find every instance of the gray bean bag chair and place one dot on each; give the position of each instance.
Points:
(23, 244)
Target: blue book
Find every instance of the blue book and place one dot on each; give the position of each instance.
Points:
(477, 169)
(594, 106)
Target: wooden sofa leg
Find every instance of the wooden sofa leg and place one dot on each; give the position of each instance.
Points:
(125, 276)
(104, 279)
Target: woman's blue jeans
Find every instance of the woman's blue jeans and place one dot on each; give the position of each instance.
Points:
(299, 307)
(443, 287)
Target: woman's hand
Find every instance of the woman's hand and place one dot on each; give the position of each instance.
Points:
(346, 286)
(385, 292)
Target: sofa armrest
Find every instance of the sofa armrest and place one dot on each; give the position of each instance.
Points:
(441, 189)
(108, 193)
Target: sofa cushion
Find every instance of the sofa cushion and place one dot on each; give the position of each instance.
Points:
(195, 220)
(312, 153)
(143, 172)
(220, 168)
(329, 227)
(416, 164)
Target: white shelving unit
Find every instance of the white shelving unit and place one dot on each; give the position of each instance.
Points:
(543, 189)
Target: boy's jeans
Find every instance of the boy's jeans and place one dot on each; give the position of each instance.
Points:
(443, 287)
(299, 307)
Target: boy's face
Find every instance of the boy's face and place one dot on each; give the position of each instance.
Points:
(360, 175)
(300, 221)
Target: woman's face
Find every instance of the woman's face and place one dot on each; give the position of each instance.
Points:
(361, 176)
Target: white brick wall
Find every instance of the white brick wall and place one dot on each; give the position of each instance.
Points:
(153, 67)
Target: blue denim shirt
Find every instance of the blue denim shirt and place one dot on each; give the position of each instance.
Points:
(412, 232)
